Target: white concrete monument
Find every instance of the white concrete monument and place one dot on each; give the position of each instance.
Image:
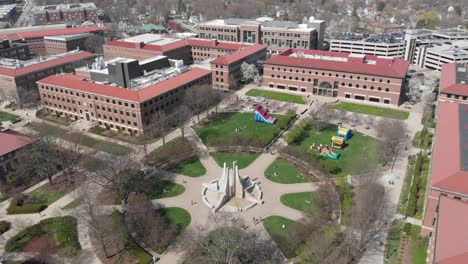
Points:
(231, 192)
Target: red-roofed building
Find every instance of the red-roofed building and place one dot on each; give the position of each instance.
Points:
(352, 76)
(127, 110)
(10, 142)
(448, 244)
(227, 69)
(203, 49)
(35, 38)
(454, 82)
(18, 79)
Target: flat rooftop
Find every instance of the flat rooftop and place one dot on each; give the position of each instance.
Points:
(63, 7)
(68, 37)
(5, 9)
(267, 24)
(451, 32)
(391, 38)
(456, 49)
(153, 39)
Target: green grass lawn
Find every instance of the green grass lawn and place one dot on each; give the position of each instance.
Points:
(71, 205)
(4, 226)
(361, 148)
(166, 189)
(243, 159)
(393, 242)
(61, 120)
(41, 197)
(274, 226)
(4, 116)
(97, 144)
(176, 216)
(372, 110)
(285, 97)
(418, 246)
(285, 173)
(61, 229)
(302, 201)
(404, 194)
(191, 168)
(222, 130)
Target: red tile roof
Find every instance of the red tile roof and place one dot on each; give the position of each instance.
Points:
(238, 55)
(12, 72)
(11, 140)
(446, 172)
(396, 68)
(78, 83)
(51, 32)
(451, 243)
(448, 81)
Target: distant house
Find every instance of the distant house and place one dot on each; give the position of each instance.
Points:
(380, 27)
(146, 28)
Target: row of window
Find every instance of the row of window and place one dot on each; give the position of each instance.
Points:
(329, 74)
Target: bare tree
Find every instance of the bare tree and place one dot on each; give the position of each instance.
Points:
(182, 114)
(148, 226)
(195, 98)
(94, 43)
(328, 201)
(230, 244)
(160, 123)
(392, 134)
(68, 153)
(321, 114)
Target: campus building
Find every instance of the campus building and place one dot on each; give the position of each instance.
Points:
(12, 142)
(227, 69)
(121, 94)
(387, 45)
(7, 12)
(446, 208)
(12, 50)
(425, 48)
(276, 35)
(18, 78)
(78, 12)
(36, 38)
(351, 76)
(146, 46)
(65, 43)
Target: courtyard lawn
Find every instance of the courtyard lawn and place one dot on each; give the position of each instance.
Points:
(243, 159)
(97, 144)
(302, 201)
(285, 173)
(372, 110)
(393, 242)
(4, 226)
(174, 216)
(221, 131)
(61, 120)
(285, 97)
(71, 205)
(360, 146)
(274, 226)
(60, 231)
(191, 168)
(4, 116)
(166, 189)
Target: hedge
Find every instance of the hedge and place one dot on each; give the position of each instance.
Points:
(4, 226)
(26, 209)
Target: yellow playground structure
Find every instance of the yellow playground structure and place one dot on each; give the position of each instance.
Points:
(338, 142)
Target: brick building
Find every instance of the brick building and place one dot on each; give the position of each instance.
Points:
(12, 50)
(35, 38)
(11, 142)
(78, 12)
(446, 208)
(276, 35)
(117, 108)
(148, 45)
(209, 49)
(65, 43)
(227, 69)
(17, 78)
(352, 76)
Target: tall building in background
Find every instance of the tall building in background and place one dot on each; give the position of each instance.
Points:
(50, 14)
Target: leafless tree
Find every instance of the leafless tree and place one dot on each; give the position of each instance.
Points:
(321, 114)
(328, 201)
(68, 153)
(148, 226)
(196, 98)
(230, 244)
(392, 134)
(120, 175)
(160, 124)
(181, 115)
(94, 43)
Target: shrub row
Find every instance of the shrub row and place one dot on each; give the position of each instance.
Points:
(171, 149)
(423, 139)
(296, 132)
(4, 226)
(26, 209)
(417, 185)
